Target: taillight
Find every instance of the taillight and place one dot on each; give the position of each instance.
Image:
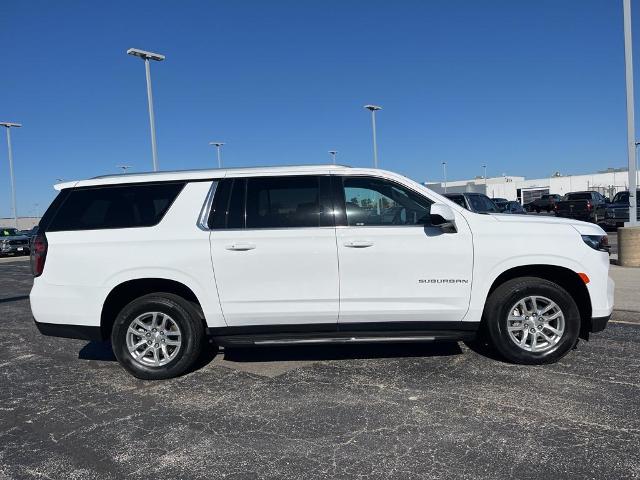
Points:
(589, 206)
(39, 248)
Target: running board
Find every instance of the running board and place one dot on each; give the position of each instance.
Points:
(333, 338)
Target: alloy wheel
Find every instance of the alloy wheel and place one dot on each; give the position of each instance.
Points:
(153, 339)
(535, 323)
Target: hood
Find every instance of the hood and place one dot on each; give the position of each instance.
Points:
(14, 237)
(584, 228)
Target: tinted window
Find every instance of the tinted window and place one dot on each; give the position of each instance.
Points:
(118, 206)
(372, 201)
(459, 199)
(579, 196)
(481, 204)
(283, 202)
(621, 197)
(8, 232)
(515, 207)
(235, 212)
(220, 205)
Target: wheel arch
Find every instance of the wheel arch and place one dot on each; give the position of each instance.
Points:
(563, 276)
(127, 291)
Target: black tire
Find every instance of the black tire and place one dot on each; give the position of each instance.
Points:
(507, 295)
(186, 318)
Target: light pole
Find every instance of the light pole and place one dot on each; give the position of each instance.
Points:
(373, 109)
(218, 151)
(147, 56)
(444, 174)
(124, 168)
(9, 126)
(485, 178)
(333, 154)
(631, 134)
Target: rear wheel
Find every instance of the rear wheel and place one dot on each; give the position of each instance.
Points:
(157, 336)
(532, 321)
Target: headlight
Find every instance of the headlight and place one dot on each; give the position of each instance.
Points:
(597, 242)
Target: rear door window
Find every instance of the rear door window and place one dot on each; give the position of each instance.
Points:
(283, 202)
(114, 206)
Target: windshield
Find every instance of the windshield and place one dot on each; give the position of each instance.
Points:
(459, 199)
(8, 232)
(482, 204)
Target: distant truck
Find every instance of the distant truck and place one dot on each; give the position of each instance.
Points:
(582, 206)
(545, 203)
(616, 213)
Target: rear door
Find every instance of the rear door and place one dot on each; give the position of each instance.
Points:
(274, 251)
(394, 266)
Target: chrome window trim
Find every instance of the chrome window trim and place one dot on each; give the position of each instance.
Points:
(205, 211)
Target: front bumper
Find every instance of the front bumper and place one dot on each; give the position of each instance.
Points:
(599, 323)
(14, 250)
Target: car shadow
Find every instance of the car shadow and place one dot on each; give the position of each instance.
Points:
(14, 299)
(102, 351)
(340, 352)
(484, 348)
(97, 351)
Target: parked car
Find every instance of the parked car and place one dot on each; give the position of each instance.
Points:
(13, 243)
(581, 206)
(514, 208)
(545, 203)
(29, 233)
(616, 213)
(500, 203)
(475, 202)
(249, 257)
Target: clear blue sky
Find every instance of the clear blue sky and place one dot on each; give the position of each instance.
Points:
(527, 86)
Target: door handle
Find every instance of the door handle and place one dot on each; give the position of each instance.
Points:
(241, 247)
(359, 244)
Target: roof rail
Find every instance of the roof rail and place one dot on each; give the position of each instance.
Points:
(194, 170)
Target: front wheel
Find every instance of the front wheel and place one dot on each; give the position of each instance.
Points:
(157, 336)
(532, 321)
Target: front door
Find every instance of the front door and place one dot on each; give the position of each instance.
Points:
(394, 266)
(274, 251)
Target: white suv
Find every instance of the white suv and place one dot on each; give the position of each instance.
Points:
(306, 255)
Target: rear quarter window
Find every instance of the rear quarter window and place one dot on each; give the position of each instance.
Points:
(113, 206)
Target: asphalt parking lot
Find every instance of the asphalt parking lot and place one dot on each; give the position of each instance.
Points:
(67, 410)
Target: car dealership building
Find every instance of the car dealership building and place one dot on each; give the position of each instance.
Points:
(607, 182)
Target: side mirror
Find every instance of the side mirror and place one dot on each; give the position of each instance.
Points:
(442, 216)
